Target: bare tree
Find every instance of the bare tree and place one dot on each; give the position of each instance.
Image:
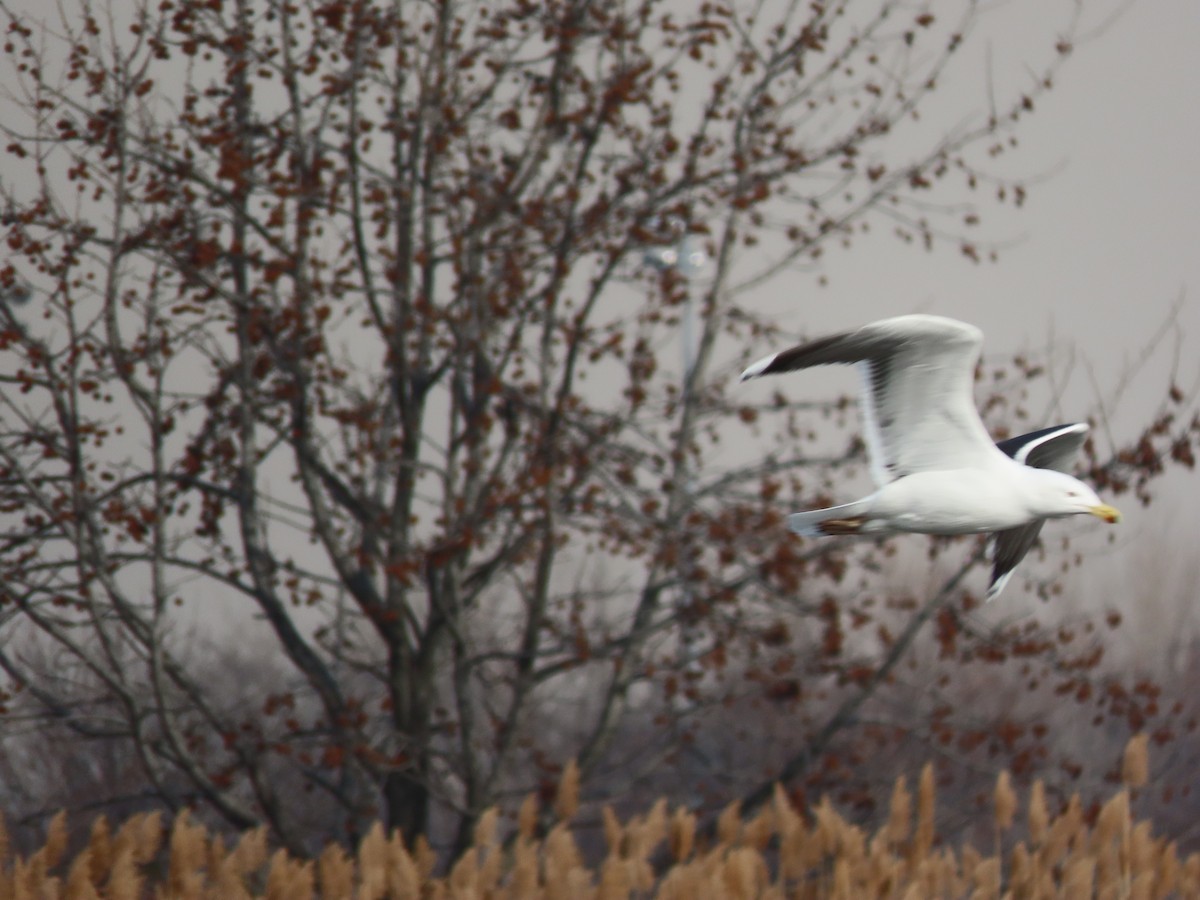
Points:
(340, 325)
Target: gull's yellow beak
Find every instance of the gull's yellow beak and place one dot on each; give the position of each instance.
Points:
(1109, 514)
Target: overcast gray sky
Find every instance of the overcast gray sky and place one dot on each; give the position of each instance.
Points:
(1104, 246)
(1106, 242)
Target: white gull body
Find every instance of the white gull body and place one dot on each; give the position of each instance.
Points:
(936, 469)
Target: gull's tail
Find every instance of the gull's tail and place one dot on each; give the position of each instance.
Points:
(849, 518)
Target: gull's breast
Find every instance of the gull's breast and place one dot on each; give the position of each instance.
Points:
(952, 501)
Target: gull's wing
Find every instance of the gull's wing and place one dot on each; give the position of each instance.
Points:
(1047, 448)
(917, 397)
(1009, 548)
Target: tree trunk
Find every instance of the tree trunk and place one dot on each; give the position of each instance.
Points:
(406, 795)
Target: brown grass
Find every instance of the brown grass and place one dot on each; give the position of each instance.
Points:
(781, 852)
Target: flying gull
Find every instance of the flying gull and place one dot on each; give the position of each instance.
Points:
(936, 469)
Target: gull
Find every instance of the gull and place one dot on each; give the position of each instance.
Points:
(936, 469)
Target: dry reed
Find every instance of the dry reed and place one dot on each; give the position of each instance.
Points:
(781, 852)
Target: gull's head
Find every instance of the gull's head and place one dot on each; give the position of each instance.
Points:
(1059, 494)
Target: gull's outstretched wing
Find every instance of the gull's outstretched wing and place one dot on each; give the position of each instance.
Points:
(1047, 448)
(917, 398)
(1009, 548)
